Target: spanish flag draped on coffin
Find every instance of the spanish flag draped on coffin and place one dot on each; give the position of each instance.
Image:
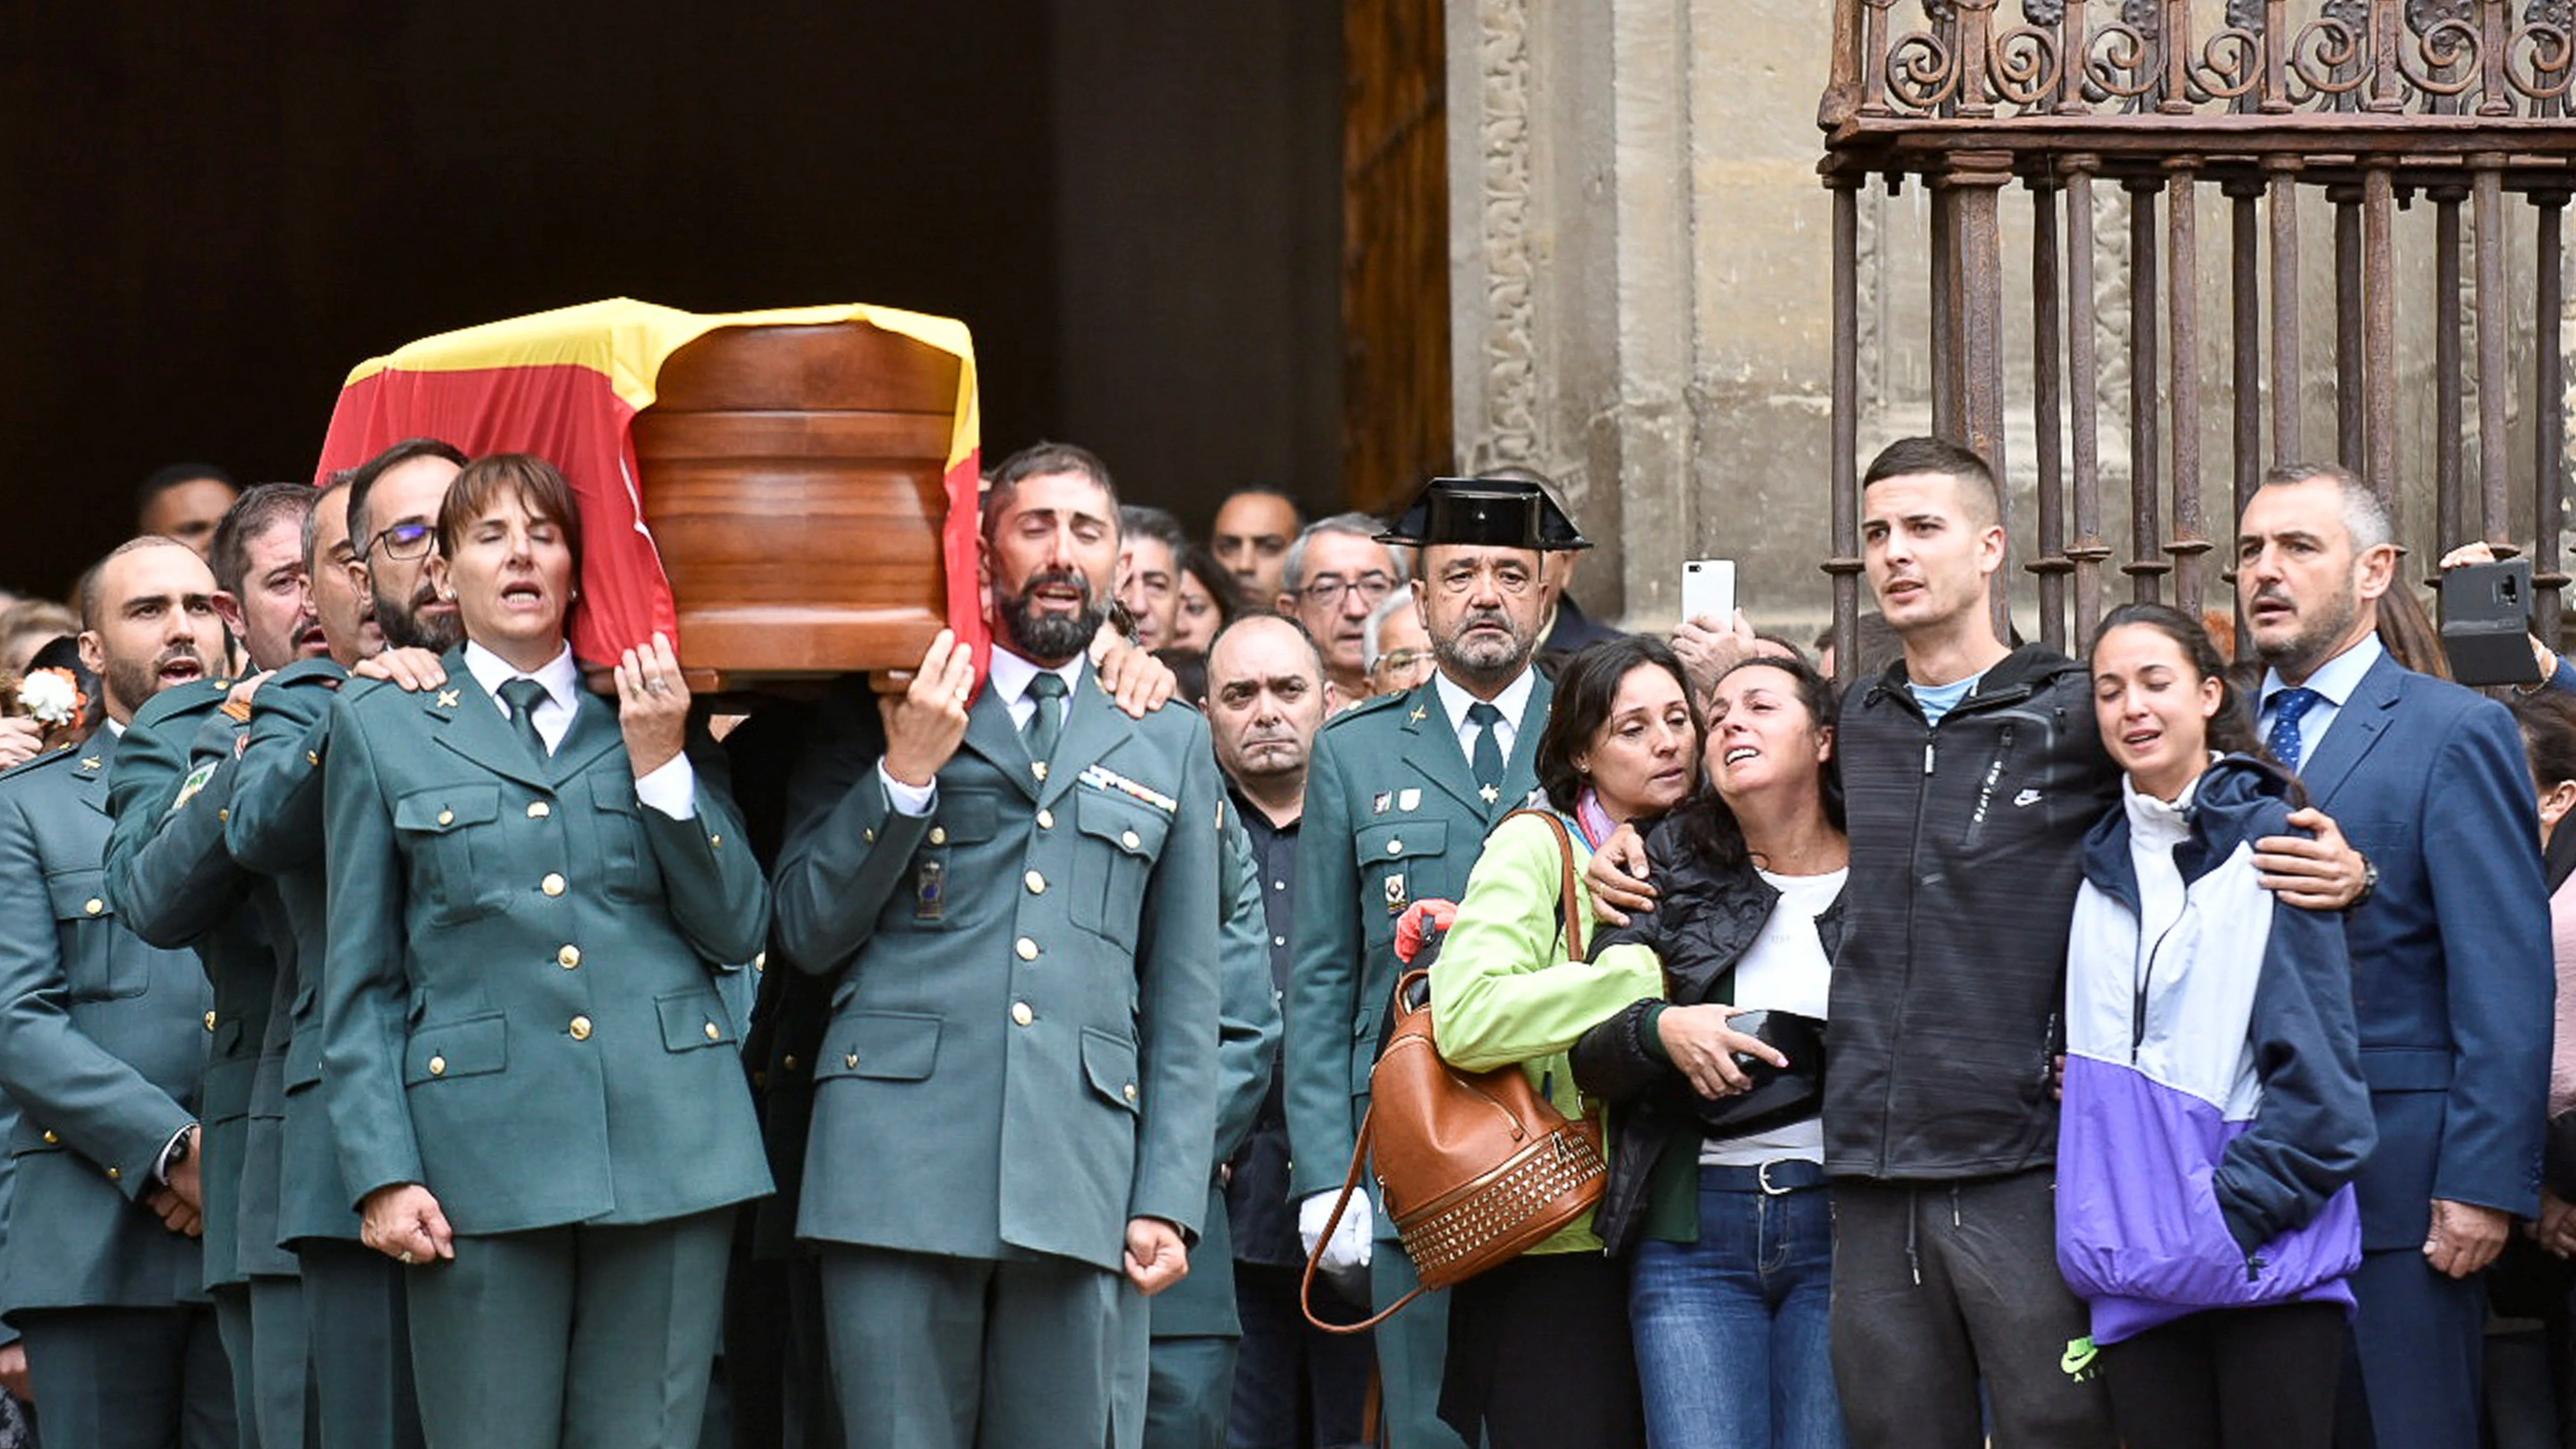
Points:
(785, 492)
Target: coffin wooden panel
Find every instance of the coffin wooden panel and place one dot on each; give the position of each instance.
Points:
(793, 479)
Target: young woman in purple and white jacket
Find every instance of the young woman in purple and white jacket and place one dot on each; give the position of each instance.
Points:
(2215, 1112)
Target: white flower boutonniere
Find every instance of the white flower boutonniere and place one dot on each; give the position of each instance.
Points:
(52, 697)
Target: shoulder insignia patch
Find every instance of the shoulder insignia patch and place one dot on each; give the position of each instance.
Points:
(189, 787)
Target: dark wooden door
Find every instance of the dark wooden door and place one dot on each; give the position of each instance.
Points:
(1395, 252)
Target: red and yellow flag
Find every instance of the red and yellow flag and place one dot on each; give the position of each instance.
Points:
(566, 385)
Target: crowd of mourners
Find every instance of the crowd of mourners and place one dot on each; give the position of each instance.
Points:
(413, 1034)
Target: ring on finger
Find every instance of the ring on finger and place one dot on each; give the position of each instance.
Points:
(406, 1257)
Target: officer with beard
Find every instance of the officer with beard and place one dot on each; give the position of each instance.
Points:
(1015, 1100)
(103, 1048)
(1399, 794)
(355, 1305)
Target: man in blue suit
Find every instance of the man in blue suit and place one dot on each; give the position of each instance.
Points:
(2450, 943)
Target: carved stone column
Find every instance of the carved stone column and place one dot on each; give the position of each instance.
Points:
(1638, 289)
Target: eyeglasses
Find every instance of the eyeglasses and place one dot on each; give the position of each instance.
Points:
(1331, 589)
(1400, 660)
(402, 541)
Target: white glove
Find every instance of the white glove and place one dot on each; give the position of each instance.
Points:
(1350, 1246)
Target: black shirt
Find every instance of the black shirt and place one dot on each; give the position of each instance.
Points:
(1256, 1197)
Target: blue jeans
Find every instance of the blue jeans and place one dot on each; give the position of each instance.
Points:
(1732, 1346)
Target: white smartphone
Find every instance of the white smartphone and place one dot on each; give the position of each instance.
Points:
(1708, 590)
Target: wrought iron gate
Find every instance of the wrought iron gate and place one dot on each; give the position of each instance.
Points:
(2358, 106)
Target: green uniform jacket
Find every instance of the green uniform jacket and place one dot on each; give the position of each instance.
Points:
(520, 1009)
(276, 830)
(1247, 1041)
(102, 1046)
(173, 879)
(1393, 816)
(1027, 1059)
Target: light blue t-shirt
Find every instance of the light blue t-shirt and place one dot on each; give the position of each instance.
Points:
(1939, 699)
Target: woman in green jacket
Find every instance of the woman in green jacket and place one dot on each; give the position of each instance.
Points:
(1539, 1352)
(532, 1081)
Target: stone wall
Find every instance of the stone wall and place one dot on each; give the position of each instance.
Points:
(1641, 283)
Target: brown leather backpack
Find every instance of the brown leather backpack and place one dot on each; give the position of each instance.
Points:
(1474, 1168)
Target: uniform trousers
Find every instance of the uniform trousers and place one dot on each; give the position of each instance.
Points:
(233, 1327)
(1188, 1391)
(358, 1326)
(577, 1337)
(935, 1352)
(1412, 1350)
(281, 1368)
(129, 1378)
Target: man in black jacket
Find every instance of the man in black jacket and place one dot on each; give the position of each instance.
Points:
(1972, 772)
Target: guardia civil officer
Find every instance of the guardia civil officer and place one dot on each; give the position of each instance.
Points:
(103, 1048)
(1398, 799)
(359, 1343)
(1015, 1103)
(530, 1073)
(172, 877)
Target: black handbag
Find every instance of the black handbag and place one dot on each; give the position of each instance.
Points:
(1779, 1095)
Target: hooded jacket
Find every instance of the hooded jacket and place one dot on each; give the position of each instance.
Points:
(1965, 839)
(2215, 1109)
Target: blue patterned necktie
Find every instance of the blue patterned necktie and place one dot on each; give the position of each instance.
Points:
(2288, 708)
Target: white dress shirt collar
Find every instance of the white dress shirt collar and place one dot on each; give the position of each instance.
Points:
(1455, 701)
(1011, 674)
(560, 676)
(2337, 678)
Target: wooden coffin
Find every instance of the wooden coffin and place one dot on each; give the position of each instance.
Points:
(792, 477)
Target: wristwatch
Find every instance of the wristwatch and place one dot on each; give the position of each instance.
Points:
(2369, 883)
(180, 1147)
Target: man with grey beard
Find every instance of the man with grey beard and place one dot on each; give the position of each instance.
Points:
(1399, 794)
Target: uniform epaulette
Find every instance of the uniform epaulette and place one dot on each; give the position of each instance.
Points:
(321, 667)
(59, 754)
(1375, 703)
(195, 697)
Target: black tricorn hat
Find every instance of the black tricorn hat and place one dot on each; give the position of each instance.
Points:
(1494, 512)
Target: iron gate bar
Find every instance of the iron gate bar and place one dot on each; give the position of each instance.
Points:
(2047, 403)
(2368, 101)
(2449, 498)
(2182, 403)
(2495, 384)
(2282, 173)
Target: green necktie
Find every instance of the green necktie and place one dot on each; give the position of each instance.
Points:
(1487, 758)
(1046, 722)
(523, 696)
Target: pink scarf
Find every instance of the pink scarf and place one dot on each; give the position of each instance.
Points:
(1591, 819)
